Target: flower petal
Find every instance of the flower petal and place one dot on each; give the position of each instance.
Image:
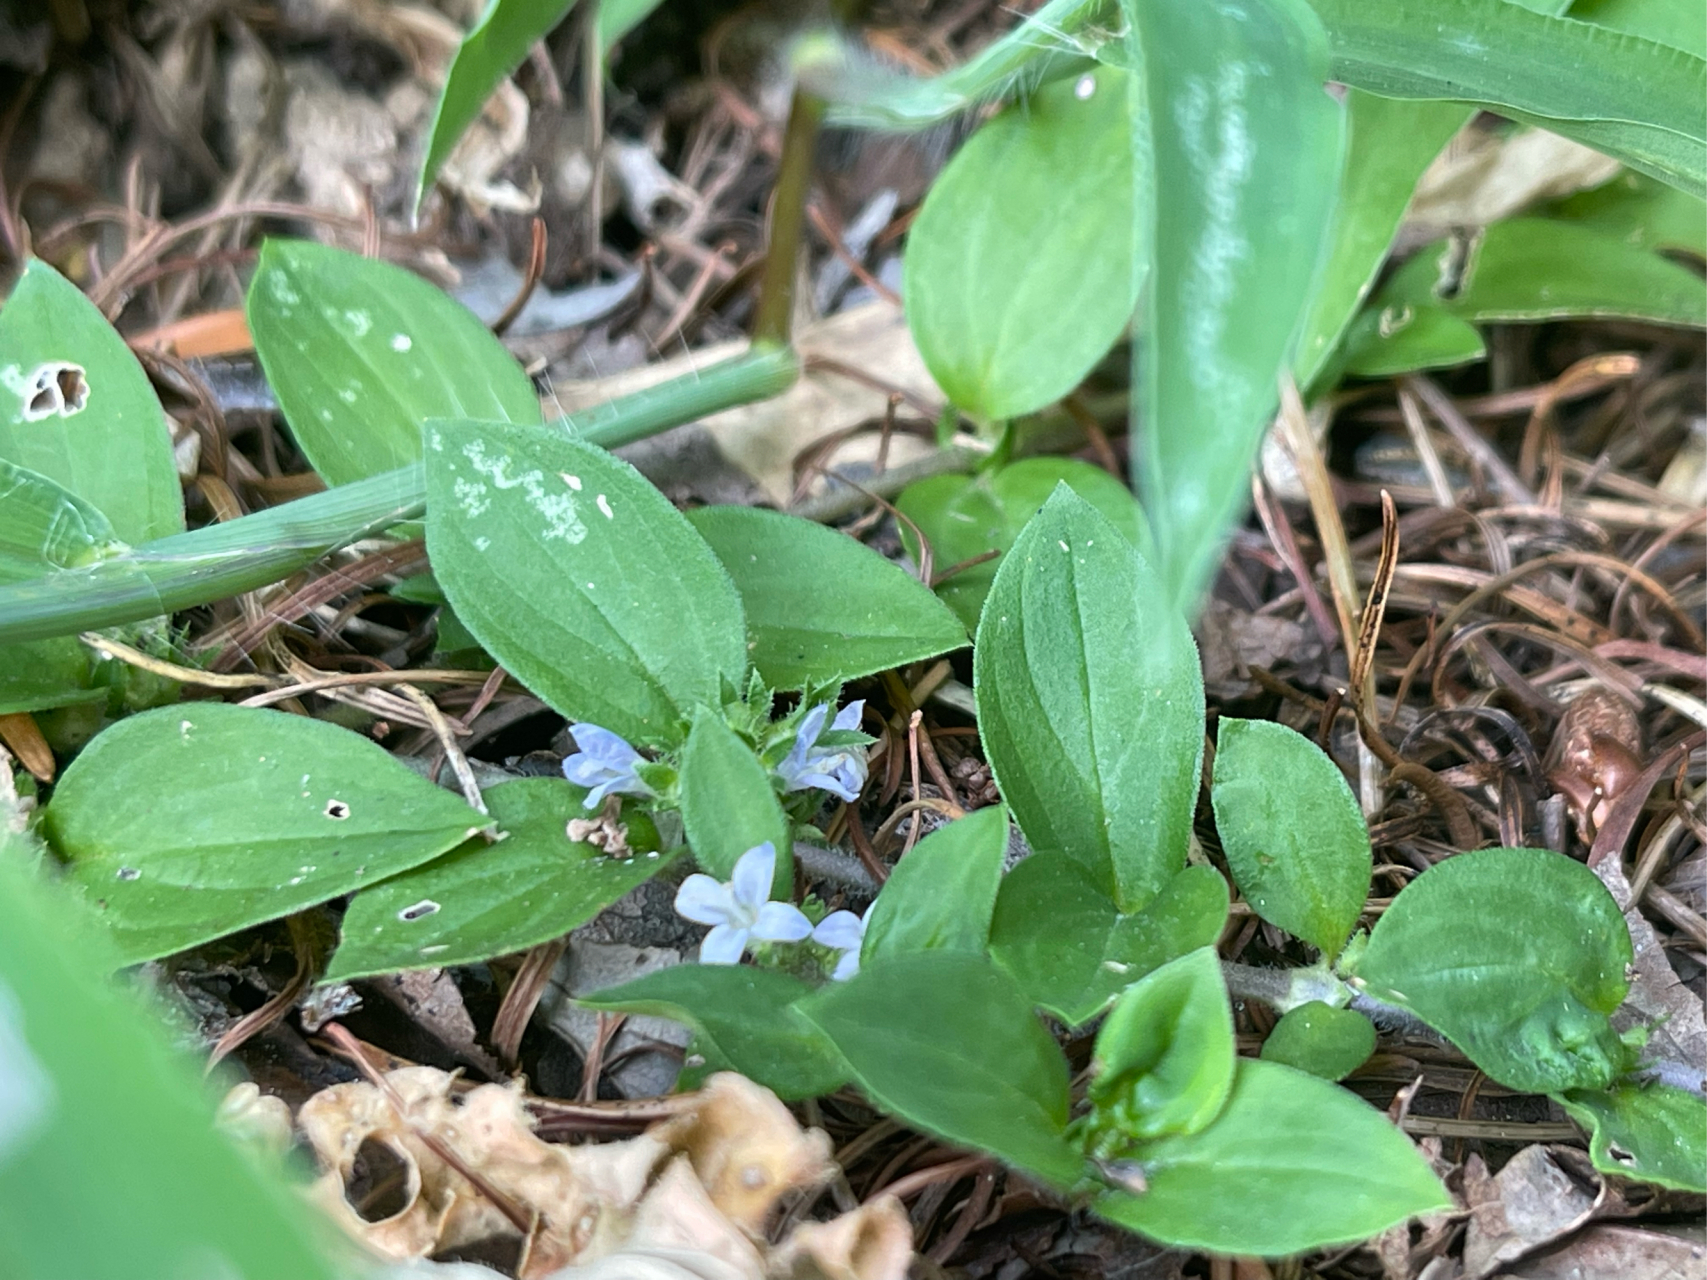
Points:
(723, 945)
(751, 883)
(846, 967)
(603, 745)
(840, 930)
(705, 901)
(812, 725)
(781, 922)
(849, 717)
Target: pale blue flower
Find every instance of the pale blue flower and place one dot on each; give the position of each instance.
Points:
(605, 764)
(838, 770)
(845, 932)
(740, 910)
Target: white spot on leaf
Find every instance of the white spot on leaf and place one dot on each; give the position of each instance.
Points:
(129, 873)
(422, 909)
(401, 342)
(337, 810)
(604, 507)
(359, 321)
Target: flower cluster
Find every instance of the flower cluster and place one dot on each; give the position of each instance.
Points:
(838, 770)
(741, 912)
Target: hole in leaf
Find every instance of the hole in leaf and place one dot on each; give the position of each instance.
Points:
(1619, 1154)
(425, 907)
(129, 873)
(382, 1183)
(57, 388)
(337, 809)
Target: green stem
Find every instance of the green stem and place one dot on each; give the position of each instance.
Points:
(196, 568)
(788, 213)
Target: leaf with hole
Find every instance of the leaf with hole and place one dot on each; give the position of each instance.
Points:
(186, 823)
(483, 900)
(1012, 300)
(76, 407)
(360, 352)
(746, 1016)
(608, 606)
(1326, 1042)
(493, 48)
(940, 896)
(946, 1041)
(1388, 339)
(1528, 1005)
(1294, 837)
(1312, 1164)
(1533, 269)
(821, 607)
(1163, 1061)
(965, 517)
(1090, 701)
(728, 803)
(1651, 1132)
(1059, 936)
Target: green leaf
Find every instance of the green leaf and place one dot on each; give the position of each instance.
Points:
(1651, 1132)
(1294, 837)
(1389, 143)
(1673, 22)
(1534, 269)
(493, 48)
(728, 804)
(1163, 1061)
(110, 1165)
(964, 517)
(1058, 934)
(618, 17)
(1639, 211)
(360, 353)
(76, 407)
(484, 900)
(1090, 701)
(1312, 1165)
(187, 823)
(1390, 339)
(45, 674)
(1012, 298)
(580, 578)
(1246, 150)
(941, 895)
(1318, 1038)
(822, 607)
(1527, 1005)
(1635, 99)
(946, 1041)
(745, 1016)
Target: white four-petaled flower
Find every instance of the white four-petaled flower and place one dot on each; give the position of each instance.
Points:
(740, 910)
(838, 770)
(845, 932)
(605, 764)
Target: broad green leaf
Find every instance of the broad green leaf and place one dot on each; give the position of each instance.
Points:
(964, 517)
(494, 47)
(109, 1163)
(940, 896)
(1291, 1163)
(618, 17)
(1639, 211)
(76, 407)
(1536, 269)
(1020, 267)
(1326, 1042)
(1392, 339)
(1245, 153)
(728, 804)
(1636, 99)
(822, 607)
(946, 1041)
(1674, 22)
(1294, 837)
(484, 900)
(1389, 143)
(1071, 952)
(1163, 1061)
(1527, 1004)
(1090, 701)
(747, 1017)
(186, 823)
(360, 353)
(580, 578)
(1650, 1132)
(45, 528)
